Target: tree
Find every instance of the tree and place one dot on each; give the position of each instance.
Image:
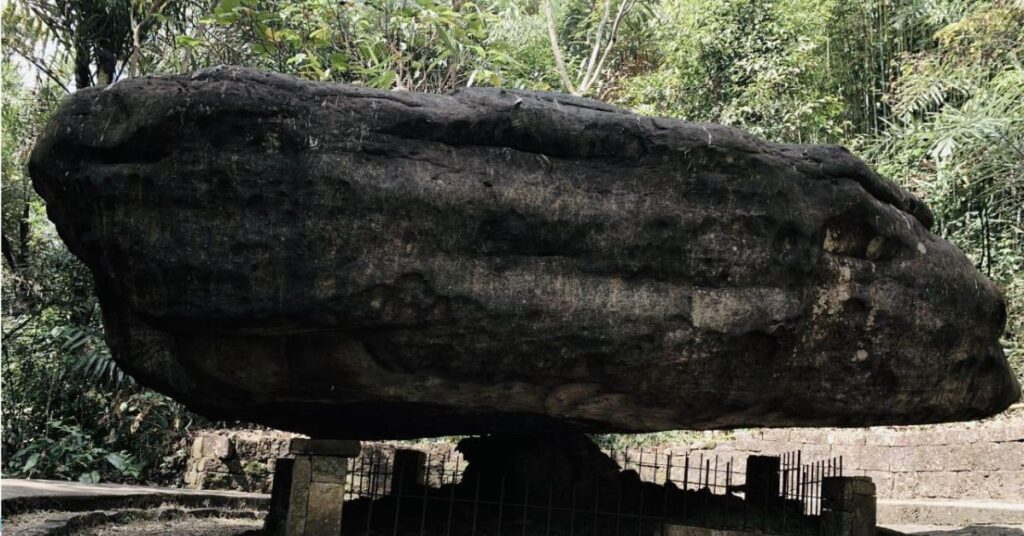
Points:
(102, 37)
(600, 45)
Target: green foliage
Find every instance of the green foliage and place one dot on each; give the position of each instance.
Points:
(65, 451)
(68, 411)
(420, 45)
(752, 65)
(957, 138)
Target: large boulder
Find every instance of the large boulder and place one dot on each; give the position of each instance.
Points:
(348, 262)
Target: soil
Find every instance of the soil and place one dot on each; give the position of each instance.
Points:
(177, 527)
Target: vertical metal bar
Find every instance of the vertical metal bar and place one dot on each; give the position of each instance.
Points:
(451, 502)
(501, 504)
(664, 503)
(801, 491)
(551, 496)
(840, 466)
(369, 506)
(686, 481)
(640, 518)
(700, 469)
(728, 476)
(784, 501)
(640, 466)
(362, 475)
(810, 489)
(668, 468)
(714, 483)
(728, 482)
(572, 511)
(785, 478)
(707, 473)
(821, 488)
(398, 500)
(799, 461)
(798, 487)
(813, 490)
(746, 503)
(821, 526)
(423, 507)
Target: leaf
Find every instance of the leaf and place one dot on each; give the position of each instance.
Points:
(339, 62)
(187, 41)
(386, 80)
(116, 460)
(227, 6)
(30, 462)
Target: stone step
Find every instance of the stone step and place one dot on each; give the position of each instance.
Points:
(948, 512)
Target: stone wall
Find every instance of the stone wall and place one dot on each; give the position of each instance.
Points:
(240, 460)
(982, 460)
(244, 460)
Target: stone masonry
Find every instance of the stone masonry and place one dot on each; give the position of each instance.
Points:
(241, 460)
(982, 460)
(244, 460)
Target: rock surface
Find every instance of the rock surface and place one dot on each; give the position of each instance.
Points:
(346, 262)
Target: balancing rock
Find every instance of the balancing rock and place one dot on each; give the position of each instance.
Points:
(354, 263)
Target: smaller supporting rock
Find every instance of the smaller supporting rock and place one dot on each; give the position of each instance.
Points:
(408, 470)
(311, 501)
(848, 506)
(762, 479)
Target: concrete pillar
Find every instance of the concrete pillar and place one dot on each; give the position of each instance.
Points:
(848, 506)
(309, 489)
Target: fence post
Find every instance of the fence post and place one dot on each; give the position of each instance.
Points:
(309, 489)
(848, 506)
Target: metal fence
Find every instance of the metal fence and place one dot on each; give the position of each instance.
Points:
(436, 496)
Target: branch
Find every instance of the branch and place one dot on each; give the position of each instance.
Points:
(8, 252)
(588, 71)
(624, 9)
(6, 336)
(553, 37)
(43, 69)
(139, 31)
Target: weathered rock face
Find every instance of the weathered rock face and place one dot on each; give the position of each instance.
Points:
(363, 264)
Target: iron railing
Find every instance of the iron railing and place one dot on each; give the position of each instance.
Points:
(669, 487)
